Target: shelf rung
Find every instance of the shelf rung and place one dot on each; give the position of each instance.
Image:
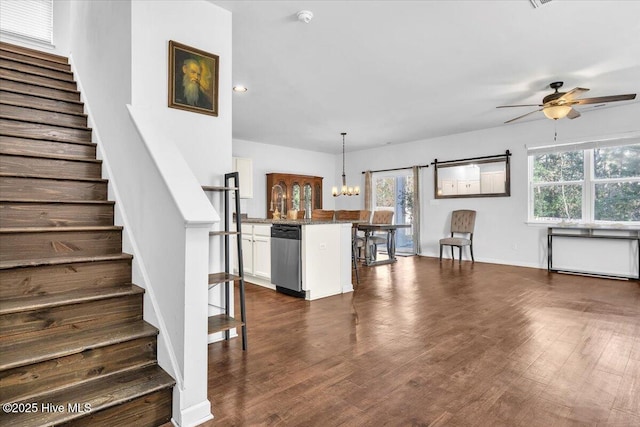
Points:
(218, 188)
(222, 322)
(223, 233)
(215, 278)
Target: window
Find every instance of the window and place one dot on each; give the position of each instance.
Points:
(31, 19)
(394, 192)
(592, 184)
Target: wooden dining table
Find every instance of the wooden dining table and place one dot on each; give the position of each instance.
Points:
(390, 229)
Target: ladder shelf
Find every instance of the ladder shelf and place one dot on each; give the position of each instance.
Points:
(225, 322)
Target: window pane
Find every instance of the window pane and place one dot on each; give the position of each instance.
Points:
(617, 162)
(558, 202)
(618, 201)
(385, 192)
(553, 167)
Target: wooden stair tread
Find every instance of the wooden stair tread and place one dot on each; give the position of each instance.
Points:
(34, 302)
(43, 108)
(216, 278)
(40, 95)
(61, 202)
(101, 393)
(34, 53)
(52, 157)
(222, 322)
(68, 74)
(29, 60)
(68, 340)
(54, 177)
(60, 229)
(5, 265)
(48, 86)
(44, 138)
(42, 122)
(217, 188)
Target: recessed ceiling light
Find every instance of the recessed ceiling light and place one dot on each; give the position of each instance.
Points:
(240, 88)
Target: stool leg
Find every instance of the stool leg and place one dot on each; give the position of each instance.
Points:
(440, 253)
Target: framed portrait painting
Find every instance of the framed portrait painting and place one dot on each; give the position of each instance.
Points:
(193, 79)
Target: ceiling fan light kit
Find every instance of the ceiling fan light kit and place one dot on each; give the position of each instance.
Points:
(556, 112)
(559, 105)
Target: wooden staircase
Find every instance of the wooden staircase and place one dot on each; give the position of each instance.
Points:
(74, 349)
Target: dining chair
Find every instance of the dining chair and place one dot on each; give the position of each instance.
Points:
(462, 223)
(322, 214)
(380, 217)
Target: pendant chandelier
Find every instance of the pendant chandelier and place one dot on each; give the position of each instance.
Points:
(345, 190)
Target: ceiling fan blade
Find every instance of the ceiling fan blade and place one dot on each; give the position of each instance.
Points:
(521, 105)
(573, 114)
(524, 115)
(603, 99)
(573, 93)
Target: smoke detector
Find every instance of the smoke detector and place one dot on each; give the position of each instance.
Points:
(305, 16)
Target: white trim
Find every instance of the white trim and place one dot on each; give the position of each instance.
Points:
(627, 138)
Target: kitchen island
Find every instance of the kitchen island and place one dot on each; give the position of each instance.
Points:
(325, 255)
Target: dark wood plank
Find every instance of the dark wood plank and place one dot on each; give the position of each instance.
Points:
(42, 321)
(100, 394)
(17, 85)
(39, 147)
(20, 244)
(66, 276)
(55, 214)
(43, 116)
(12, 188)
(27, 67)
(33, 381)
(29, 100)
(34, 60)
(421, 342)
(33, 129)
(33, 53)
(37, 79)
(148, 411)
(61, 168)
(29, 349)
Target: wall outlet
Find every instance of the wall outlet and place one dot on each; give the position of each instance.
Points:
(323, 246)
(514, 246)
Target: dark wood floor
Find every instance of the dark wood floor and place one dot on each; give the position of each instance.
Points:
(421, 343)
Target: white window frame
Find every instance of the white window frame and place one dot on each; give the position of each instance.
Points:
(588, 182)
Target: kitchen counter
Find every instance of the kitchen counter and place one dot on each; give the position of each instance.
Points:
(293, 221)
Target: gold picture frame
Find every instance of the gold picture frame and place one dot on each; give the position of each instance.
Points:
(193, 79)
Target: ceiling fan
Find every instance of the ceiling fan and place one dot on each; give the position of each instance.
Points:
(560, 104)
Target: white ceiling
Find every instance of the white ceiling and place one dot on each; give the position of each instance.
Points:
(399, 71)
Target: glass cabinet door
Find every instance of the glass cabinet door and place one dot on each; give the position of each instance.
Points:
(308, 200)
(295, 197)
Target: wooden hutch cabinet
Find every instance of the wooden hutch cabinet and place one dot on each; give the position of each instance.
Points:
(293, 192)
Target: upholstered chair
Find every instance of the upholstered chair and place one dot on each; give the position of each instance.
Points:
(380, 217)
(462, 225)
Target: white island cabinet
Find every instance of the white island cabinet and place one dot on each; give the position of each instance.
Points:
(325, 256)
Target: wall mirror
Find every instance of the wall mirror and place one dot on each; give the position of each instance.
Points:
(487, 176)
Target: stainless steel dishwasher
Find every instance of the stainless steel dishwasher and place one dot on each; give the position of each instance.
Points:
(286, 259)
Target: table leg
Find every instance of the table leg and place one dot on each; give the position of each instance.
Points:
(367, 251)
(391, 248)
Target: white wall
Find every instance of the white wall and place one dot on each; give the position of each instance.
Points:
(273, 158)
(501, 233)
